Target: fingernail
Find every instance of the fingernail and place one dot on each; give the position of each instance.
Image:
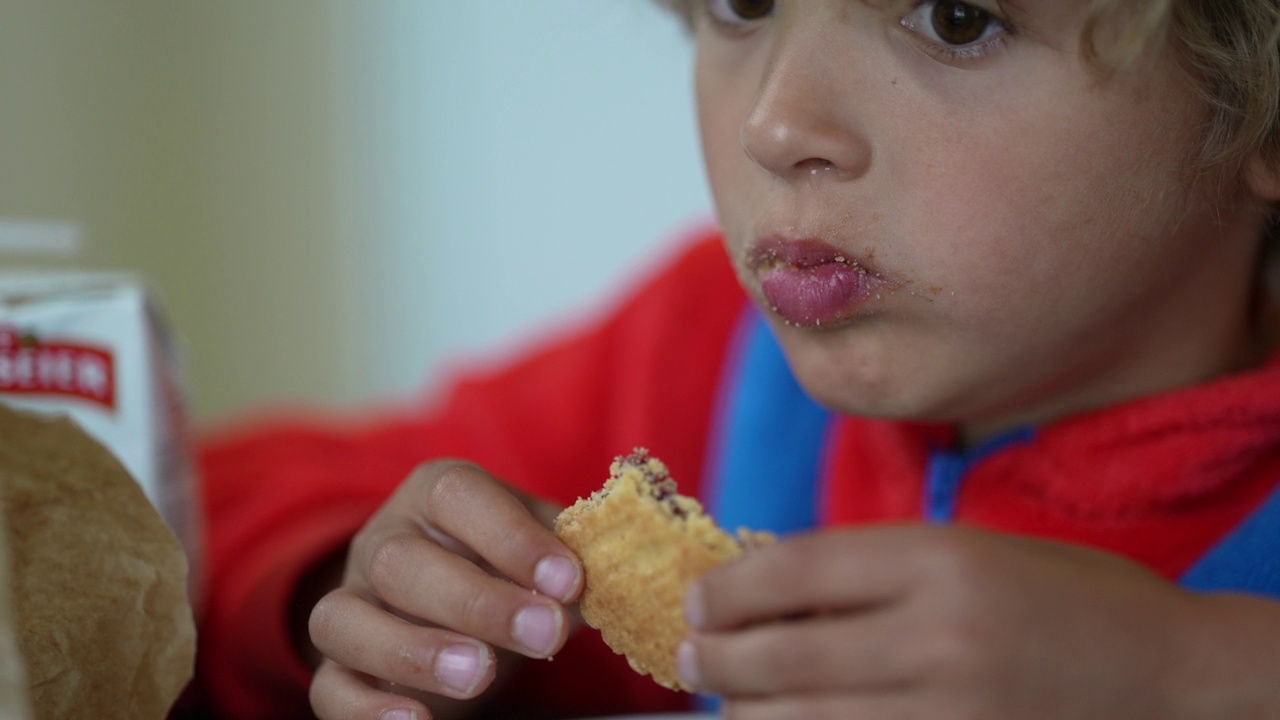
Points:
(537, 627)
(458, 667)
(399, 714)
(556, 576)
(687, 664)
(695, 609)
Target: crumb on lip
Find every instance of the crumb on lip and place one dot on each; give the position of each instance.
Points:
(769, 259)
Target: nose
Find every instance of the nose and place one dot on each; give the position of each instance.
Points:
(801, 124)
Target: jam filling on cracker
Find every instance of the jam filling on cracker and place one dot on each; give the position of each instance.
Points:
(663, 487)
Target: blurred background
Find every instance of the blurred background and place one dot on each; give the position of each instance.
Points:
(337, 199)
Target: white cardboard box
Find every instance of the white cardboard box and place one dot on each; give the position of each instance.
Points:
(95, 346)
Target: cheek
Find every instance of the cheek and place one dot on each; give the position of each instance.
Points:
(724, 99)
(1011, 220)
(721, 149)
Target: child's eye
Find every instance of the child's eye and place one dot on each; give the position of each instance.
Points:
(957, 29)
(739, 12)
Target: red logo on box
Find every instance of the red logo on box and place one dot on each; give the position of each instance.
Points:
(29, 364)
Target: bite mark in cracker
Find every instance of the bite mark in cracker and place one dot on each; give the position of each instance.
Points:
(642, 544)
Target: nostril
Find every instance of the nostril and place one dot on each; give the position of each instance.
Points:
(815, 166)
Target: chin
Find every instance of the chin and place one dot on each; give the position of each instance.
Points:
(845, 377)
(858, 370)
(853, 400)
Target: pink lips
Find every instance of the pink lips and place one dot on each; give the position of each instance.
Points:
(809, 282)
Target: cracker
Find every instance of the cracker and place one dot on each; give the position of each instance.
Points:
(642, 544)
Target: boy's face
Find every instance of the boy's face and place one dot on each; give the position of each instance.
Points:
(949, 216)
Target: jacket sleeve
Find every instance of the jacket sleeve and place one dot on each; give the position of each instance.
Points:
(283, 493)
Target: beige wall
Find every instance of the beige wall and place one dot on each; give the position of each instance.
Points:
(337, 199)
(196, 142)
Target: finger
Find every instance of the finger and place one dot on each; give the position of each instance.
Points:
(845, 653)
(517, 544)
(823, 707)
(337, 693)
(426, 581)
(815, 573)
(350, 631)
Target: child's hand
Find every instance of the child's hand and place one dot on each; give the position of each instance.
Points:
(923, 622)
(452, 566)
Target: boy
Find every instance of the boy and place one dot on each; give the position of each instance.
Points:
(1015, 251)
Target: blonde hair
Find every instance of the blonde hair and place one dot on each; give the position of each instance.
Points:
(1231, 49)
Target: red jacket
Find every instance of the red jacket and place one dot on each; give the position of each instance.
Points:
(1160, 479)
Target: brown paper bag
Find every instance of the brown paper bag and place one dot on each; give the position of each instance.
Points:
(99, 581)
(13, 674)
